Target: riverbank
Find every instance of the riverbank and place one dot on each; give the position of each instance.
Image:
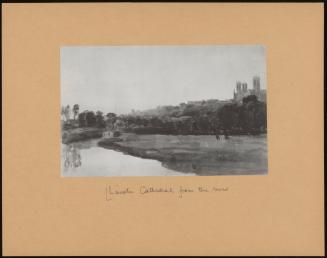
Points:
(126, 144)
(80, 134)
(200, 154)
(175, 131)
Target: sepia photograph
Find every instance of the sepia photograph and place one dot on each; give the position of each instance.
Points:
(163, 110)
(163, 129)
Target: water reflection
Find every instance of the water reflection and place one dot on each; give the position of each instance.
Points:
(98, 161)
(185, 156)
(71, 157)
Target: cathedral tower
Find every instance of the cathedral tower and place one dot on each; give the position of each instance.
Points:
(256, 84)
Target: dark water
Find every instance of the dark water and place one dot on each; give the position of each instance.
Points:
(87, 159)
(204, 155)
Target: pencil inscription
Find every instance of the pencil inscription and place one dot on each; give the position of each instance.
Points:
(179, 191)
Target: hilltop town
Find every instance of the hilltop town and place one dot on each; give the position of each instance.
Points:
(244, 114)
(241, 91)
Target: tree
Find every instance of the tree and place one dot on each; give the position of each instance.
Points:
(110, 120)
(253, 116)
(65, 112)
(228, 116)
(250, 98)
(75, 110)
(81, 119)
(99, 119)
(87, 119)
(90, 119)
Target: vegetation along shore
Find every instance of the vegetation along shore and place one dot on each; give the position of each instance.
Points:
(207, 117)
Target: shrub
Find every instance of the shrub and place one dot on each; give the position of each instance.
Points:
(117, 134)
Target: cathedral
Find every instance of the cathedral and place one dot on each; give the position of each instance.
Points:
(243, 91)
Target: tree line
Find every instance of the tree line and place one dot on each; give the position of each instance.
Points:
(207, 117)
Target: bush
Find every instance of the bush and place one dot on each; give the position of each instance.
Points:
(117, 134)
(67, 126)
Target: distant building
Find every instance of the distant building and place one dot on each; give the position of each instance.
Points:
(238, 87)
(242, 90)
(244, 87)
(196, 102)
(256, 84)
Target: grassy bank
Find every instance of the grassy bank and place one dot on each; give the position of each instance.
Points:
(126, 145)
(80, 134)
(174, 131)
(200, 154)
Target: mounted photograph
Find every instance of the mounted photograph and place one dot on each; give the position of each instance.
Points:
(186, 110)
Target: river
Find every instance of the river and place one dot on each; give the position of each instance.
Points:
(238, 155)
(86, 159)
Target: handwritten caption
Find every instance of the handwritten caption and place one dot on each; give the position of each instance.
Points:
(180, 191)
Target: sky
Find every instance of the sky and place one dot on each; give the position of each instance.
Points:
(121, 78)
